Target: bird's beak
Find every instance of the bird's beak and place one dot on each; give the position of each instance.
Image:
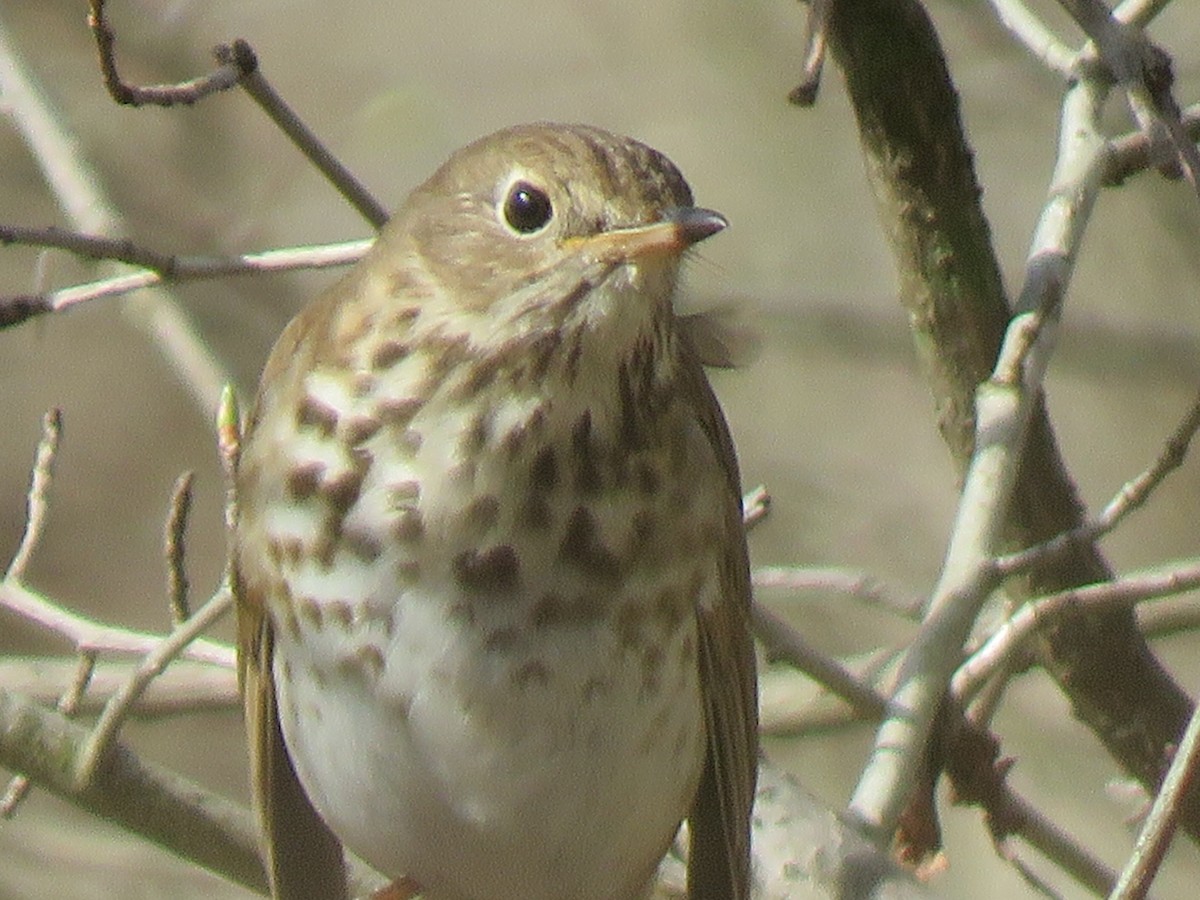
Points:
(672, 234)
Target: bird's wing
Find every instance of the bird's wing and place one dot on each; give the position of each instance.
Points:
(719, 823)
(303, 858)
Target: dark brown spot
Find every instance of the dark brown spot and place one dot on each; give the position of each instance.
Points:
(548, 610)
(574, 354)
(532, 672)
(398, 411)
(502, 640)
(290, 623)
(669, 608)
(646, 477)
(406, 315)
(595, 687)
(644, 526)
(463, 612)
(364, 384)
(408, 441)
(494, 570)
(553, 610)
(535, 512)
(543, 473)
(480, 374)
(463, 471)
(476, 437)
(585, 455)
(310, 611)
(325, 547)
(388, 354)
(302, 480)
(513, 440)
(581, 547)
(341, 612)
(293, 549)
(630, 621)
(371, 659)
(652, 660)
(312, 413)
(482, 513)
(541, 354)
(342, 492)
(362, 544)
(404, 493)
(408, 571)
(409, 526)
(361, 429)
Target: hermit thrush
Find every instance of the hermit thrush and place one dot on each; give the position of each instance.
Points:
(492, 580)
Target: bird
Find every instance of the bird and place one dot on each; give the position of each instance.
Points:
(491, 574)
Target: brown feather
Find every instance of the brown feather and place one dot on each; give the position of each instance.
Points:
(719, 823)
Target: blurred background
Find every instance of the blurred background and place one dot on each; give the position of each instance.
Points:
(832, 417)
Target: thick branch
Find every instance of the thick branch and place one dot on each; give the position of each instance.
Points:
(924, 181)
(157, 804)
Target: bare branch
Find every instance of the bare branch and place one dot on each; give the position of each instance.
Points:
(35, 502)
(1039, 40)
(1021, 626)
(1132, 495)
(755, 506)
(1159, 827)
(76, 188)
(816, 40)
(784, 642)
(237, 65)
(185, 93)
(150, 801)
(168, 649)
(14, 310)
(68, 705)
(1004, 406)
(184, 687)
(88, 634)
(859, 585)
(173, 547)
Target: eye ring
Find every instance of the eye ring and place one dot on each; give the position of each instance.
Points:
(527, 208)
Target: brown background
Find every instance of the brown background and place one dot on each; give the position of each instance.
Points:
(833, 417)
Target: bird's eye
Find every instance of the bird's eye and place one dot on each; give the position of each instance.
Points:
(527, 208)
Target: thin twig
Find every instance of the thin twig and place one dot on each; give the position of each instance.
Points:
(168, 649)
(1037, 38)
(88, 634)
(173, 547)
(307, 142)
(35, 500)
(76, 188)
(14, 310)
(784, 642)
(184, 687)
(1133, 494)
(815, 42)
(1159, 827)
(237, 64)
(859, 585)
(755, 505)
(184, 93)
(1162, 581)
